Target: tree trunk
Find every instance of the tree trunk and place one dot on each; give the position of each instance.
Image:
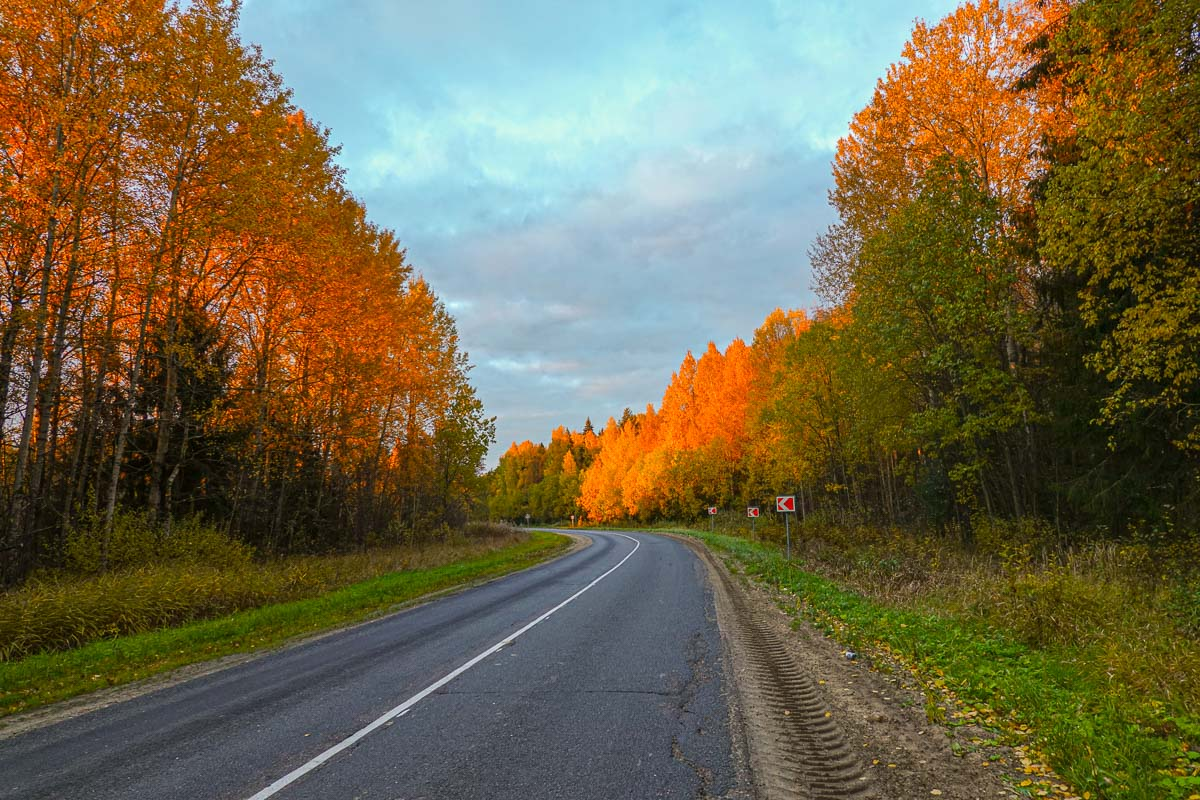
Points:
(169, 490)
(166, 411)
(1018, 506)
(21, 499)
(107, 354)
(135, 374)
(8, 347)
(165, 243)
(49, 395)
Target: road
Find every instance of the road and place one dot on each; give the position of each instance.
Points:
(619, 692)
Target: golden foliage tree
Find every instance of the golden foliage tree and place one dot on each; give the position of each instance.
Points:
(197, 316)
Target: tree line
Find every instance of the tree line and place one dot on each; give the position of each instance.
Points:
(1012, 289)
(196, 316)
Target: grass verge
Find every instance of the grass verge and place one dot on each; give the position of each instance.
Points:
(1058, 704)
(49, 677)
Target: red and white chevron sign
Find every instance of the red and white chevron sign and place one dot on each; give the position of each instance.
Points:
(786, 504)
(752, 511)
(712, 511)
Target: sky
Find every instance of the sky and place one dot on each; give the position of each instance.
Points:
(592, 188)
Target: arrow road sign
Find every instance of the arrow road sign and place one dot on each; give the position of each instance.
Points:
(787, 504)
(752, 511)
(712, 511)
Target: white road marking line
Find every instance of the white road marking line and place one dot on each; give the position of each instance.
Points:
(403, 708)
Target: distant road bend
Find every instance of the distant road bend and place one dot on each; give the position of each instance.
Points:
(598, 675)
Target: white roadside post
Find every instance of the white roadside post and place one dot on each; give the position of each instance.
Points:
(786, 504)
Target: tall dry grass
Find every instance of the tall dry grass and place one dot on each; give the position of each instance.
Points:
(66, 610)
(1131, 609)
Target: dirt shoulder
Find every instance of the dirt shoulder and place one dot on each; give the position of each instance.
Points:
(820, 724)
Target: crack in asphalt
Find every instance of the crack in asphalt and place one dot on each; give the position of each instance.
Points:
(697, 675)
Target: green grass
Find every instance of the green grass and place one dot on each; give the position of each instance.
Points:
(1059, 702)
(49, 677)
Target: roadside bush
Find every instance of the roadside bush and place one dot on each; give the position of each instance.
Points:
(137, 541)
(1054, 606)
(489, 530)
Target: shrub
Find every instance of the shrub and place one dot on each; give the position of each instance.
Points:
(1055, 606)
(137, 541)
(489, 530)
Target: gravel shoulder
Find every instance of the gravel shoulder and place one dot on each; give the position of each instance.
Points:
(819, 724)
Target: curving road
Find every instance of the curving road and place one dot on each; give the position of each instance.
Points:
(598, 675)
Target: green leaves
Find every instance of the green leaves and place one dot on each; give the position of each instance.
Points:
(1124, 212)
(934, 294)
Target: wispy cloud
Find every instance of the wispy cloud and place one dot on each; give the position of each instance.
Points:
(594, 188)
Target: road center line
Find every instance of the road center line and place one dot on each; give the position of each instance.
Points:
(403, 708)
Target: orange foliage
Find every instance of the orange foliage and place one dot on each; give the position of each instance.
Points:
(186, 271)
(952, 94)
(639, 471)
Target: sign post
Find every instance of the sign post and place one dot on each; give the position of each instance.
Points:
(786, 504)
(752, 513)
(712, 518)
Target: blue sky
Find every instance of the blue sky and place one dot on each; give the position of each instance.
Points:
(592, 188)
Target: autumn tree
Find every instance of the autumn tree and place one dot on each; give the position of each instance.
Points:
(197, 315)
(951, 95)
(1012, 328)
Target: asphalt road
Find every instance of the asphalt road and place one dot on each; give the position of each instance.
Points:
(617, 693)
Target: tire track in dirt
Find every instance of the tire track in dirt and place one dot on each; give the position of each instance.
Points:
(796, 748)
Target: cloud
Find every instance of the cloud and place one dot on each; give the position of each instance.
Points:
(593, 188)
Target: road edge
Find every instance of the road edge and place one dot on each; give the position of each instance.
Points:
(792, 746)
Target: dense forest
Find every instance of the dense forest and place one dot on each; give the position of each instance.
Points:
(197, 318)
(1011, 325)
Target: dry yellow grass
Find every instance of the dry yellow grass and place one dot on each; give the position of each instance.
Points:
(62, 612)
(1131, 609)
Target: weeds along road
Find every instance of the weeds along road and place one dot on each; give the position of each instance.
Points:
(618, 691)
